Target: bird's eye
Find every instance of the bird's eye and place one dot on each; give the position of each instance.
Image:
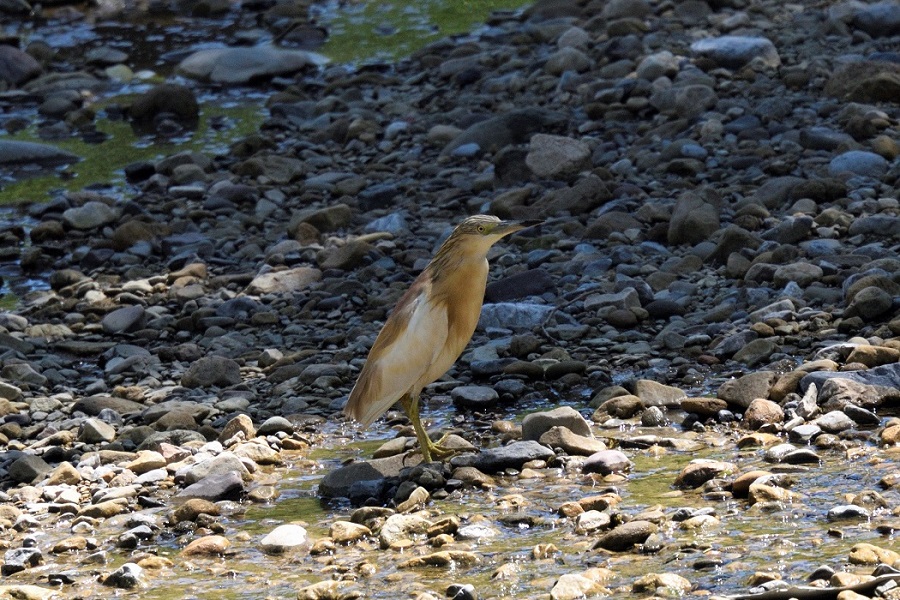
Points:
(480, 229)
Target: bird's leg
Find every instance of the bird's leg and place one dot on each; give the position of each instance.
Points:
(410, 404)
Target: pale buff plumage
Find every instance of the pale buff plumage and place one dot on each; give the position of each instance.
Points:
(430, 326)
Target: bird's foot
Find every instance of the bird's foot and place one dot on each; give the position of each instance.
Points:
(439, 451)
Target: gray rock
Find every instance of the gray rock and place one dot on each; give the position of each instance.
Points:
(693, 100)
(735, 51)
(94, 405)
(858, 162)
(338, 483)
(474, 396)
(128, 576)
(23, 373)
(756, 351)
(224, 463)
(557, 157)
(89, 216)
(860, 415)
(284, 282)
(790, 230)
(28, 468)
(511, 456)
(657, 65)
(10, 392)
(870, 303)
(835, 421)
(515, 127)
(884, 379)
(517, 316)
(653, 393)
(878, 20)
(532, 282)
(804, 434)
(803, 274)
(285, 538)
(123, 319)
(95, 431)
(19, 559)
(881, 225)
(223, 486)
(25, 153)
(16, 66)
(607, 462)
(274, 425)
(241, 65)
(571, 443)
(174, 437)
(743, 390)
(695, 217)
(537, 424)
(627, 299)
(653, 416)
(212, 371)
(394, 223)
(567, 59)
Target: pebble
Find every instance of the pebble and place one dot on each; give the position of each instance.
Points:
(285, 538)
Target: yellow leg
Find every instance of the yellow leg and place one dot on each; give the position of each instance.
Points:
(410, 404)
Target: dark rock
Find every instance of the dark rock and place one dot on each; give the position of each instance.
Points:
(515, 127)
(166, 98)
(121, 320)
(532, 282)
(220, 486)
(477, 397)
(28, 468)
(212, 371)
(511, 456)
(371, 473)
(626, 536)
(93, 405)
(17, 67)
(19, 559)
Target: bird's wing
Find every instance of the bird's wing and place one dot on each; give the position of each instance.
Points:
(410, 341)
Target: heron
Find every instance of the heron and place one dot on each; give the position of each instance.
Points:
(429, 327)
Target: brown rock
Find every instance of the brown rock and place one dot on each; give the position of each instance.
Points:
(193, 508)
(762, 412)
(210, 545)
(697, 473)
(740, 487)
(704, 407)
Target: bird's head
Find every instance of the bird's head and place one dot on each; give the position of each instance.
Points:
(476, 234)
(491, 227)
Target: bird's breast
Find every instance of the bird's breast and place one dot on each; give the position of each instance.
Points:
(467, 284)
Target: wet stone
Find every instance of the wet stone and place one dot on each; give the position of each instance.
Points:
(511, 456)
(536, 424)
(285, 538)
(19, 559)
(474, 396)
(607, 462)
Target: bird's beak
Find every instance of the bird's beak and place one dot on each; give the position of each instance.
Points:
(507, 227)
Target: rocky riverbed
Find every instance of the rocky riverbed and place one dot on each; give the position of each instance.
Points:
(684, 383)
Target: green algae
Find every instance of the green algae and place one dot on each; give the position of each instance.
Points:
(386, 31)
(102, 163)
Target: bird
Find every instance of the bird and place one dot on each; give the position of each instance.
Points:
(429, 327)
